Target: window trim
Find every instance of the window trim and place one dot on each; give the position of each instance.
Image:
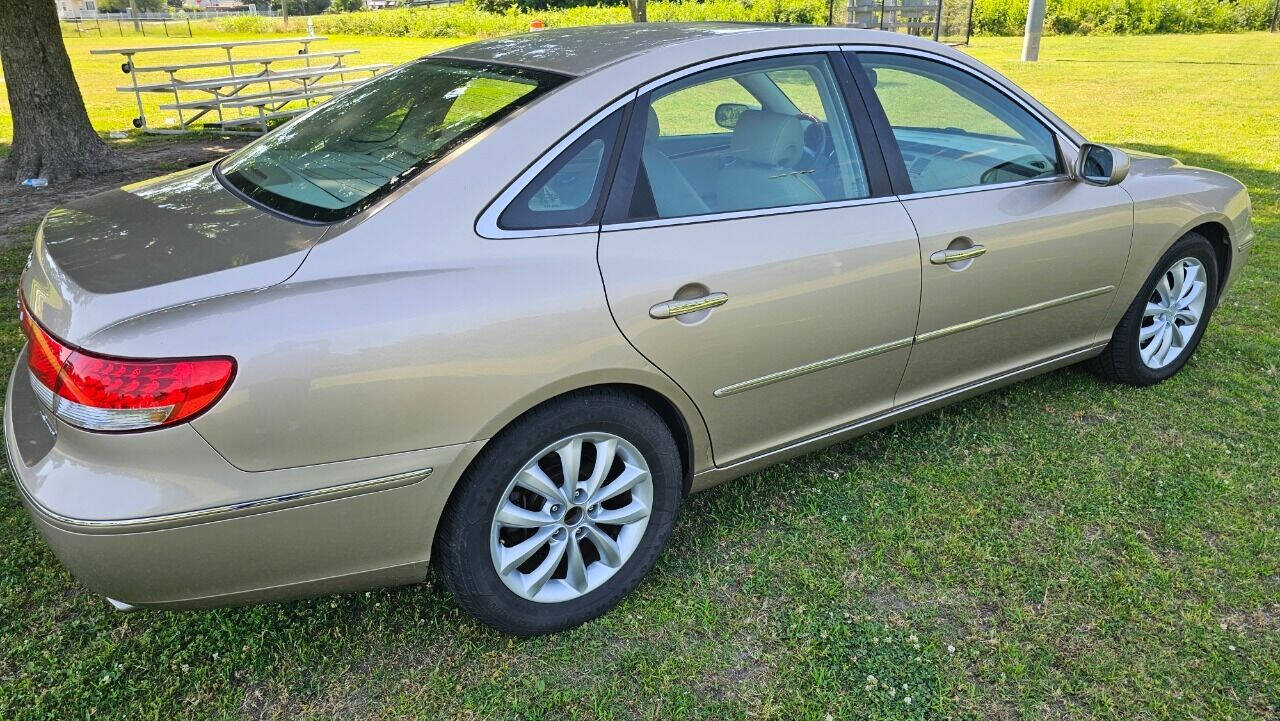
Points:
(865, 139)
(878, 154)
(889, 144)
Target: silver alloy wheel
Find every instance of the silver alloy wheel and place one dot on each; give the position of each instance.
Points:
(1173, 313)
(572, 516)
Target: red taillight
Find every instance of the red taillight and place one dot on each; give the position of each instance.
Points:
(98, 393)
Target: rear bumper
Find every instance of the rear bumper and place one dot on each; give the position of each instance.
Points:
(208, 534)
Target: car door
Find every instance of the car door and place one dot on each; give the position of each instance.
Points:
(1019, 262)
(778, 283)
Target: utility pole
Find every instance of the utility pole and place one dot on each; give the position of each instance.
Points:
(284, 8)
(133, 10)
(1035, 27)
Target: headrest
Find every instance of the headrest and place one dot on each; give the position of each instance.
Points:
(651, 130)
(768, 138)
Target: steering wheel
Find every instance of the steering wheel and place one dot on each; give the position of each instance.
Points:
(1023, 168)
(816, 139)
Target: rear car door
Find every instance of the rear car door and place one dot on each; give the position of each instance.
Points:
(1019, 262)
(752, 250)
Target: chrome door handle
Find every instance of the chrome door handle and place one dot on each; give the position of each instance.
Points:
(944, 257)
(673, 308)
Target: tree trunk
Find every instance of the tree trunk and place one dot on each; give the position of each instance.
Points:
(52, 137)
(639, 10)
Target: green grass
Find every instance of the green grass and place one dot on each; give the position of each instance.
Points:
(1060, 548)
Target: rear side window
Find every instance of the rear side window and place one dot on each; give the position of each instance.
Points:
(567, 192)
(339, 159)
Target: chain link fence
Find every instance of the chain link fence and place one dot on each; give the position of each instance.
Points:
(948, 21)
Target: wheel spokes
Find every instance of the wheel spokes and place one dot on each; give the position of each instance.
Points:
(628, 479)
(513, 516)
(550, 518)
(1173, 313)
(575, 569)
(570, 464)
(539, 576)
(533, 479)
(630, 513)
(1164, 289)
(610, 553)
(514, 556)
(606, 451)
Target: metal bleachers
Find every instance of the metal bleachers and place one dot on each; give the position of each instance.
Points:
(240, 100)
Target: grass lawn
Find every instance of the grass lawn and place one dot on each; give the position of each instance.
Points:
(1063, 548)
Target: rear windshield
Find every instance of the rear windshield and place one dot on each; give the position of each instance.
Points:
(336, 161)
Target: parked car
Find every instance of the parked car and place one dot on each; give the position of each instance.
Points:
(501, 309)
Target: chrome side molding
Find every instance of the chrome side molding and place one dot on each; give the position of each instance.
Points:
(789, 373)
(895, 413)
(217, 513)
(811, 367)
(988, 320)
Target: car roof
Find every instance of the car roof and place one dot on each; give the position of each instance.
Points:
(581, 50)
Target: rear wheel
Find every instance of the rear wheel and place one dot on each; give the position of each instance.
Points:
(1164, 324)
(562, 515)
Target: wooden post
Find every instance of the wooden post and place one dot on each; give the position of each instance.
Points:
(1035, 27)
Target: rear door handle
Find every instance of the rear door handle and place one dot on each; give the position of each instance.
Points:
(673, 308)
(943, 257)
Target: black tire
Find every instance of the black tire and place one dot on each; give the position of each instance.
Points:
(1120, 360)
(462, 553)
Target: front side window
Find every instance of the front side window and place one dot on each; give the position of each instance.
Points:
(768, 133)
(954, 130)
(334, 162)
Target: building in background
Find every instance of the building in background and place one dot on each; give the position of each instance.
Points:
(76, 8)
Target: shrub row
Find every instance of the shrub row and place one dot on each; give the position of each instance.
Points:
(1084, 17)
(990, 17)
(469, 21)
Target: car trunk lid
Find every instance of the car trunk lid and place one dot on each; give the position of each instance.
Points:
(153, 245)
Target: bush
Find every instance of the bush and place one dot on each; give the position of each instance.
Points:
(487, 18)
(474, 20)
(1084, 17)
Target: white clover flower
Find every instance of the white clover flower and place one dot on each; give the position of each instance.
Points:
(951, 649)
(906, 700)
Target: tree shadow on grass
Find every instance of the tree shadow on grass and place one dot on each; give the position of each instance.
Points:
(1263, 184)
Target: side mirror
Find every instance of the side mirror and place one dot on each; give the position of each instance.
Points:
(1101, 165)
(727, 114)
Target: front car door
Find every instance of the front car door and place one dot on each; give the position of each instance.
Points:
(1019, 262)
(752, 249)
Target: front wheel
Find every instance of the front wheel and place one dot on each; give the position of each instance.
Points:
(563, 514)
(1163, 326)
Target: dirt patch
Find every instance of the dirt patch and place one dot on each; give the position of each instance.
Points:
(23, 207)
